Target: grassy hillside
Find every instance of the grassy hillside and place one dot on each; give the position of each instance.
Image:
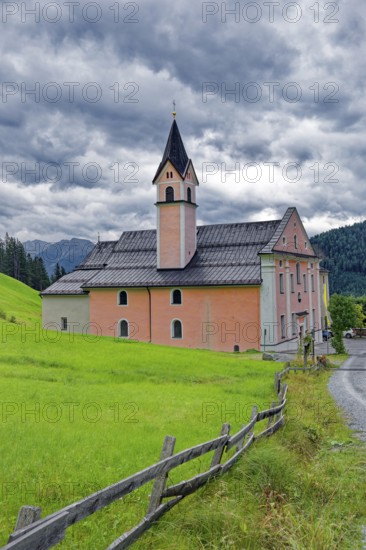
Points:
(344, 253)
(79, 414)
(18, 301)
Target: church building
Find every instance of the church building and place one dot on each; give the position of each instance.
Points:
(225, 287)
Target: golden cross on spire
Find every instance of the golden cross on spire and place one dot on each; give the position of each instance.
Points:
(174, 113)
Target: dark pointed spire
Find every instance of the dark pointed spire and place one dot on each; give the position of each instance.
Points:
(174, 151)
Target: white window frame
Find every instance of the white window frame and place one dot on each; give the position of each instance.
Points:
(283, 326)
(171, 297)
(172, 329)
(282, 283)
(298, 273)
(118, 297)
(119, 328)
(293, 325)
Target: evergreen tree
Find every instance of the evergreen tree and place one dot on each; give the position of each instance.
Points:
(344, 253)
(58, 273)
(39, 279)
(21, 266)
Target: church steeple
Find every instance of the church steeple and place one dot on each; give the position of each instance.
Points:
(174, 151)
(176, 183)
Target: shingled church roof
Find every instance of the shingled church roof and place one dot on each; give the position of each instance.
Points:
(227, 254)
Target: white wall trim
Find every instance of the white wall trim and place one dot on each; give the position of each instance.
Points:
(182, 234)
(158, 237)
(268, 301)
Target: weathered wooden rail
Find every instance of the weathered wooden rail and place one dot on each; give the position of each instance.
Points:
(279, 375)
(35, 533)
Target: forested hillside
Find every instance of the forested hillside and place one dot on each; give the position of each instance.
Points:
(344, 253)
(16, 263)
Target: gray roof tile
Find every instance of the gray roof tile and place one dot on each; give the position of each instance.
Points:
(71, 283)
(227, 254)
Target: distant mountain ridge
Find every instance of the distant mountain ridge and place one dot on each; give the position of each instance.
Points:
(344, 254)
(67, 253)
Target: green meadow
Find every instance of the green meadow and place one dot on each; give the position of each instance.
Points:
(79, 413)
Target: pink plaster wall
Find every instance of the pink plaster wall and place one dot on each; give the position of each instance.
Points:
(170, 236)
(213, 317)
(295, 305)
(105, 313)
(294, 227)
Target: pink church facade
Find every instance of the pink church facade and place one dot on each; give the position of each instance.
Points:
(223, 287)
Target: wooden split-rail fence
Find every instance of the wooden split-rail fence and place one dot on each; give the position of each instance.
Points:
(35, 533)
(279, 375)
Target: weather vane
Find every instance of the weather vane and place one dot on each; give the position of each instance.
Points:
(174, 111)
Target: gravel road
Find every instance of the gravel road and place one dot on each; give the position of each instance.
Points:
(348, 385)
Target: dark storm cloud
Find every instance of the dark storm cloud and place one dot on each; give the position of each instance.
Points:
(309, 110)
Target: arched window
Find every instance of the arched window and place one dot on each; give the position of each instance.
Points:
(169, 194)
(295, 241)
(123, 328)
(177, 329)
(176, 297)
(122, 298)
(189, 194)
(167, 175)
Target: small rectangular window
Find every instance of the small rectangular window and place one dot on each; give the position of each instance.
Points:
(282, 285)
(283, 327)
(298, 274)
(294, 324)
(304, 279)
(312, 284)
(292, 281)
(63, 323)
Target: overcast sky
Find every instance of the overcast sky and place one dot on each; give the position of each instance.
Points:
(269, 99)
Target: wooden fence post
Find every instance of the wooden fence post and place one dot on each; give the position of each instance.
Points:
(277, 381)
(280, 399)
(271, 418)
(26, 516)
(216, 459)
(160, 481)
(253, 415)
